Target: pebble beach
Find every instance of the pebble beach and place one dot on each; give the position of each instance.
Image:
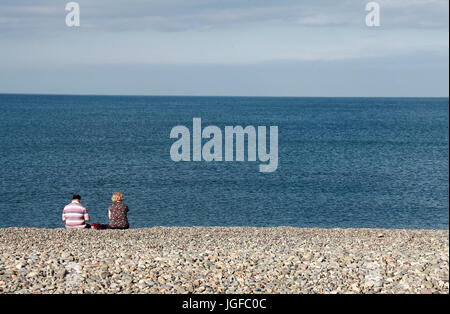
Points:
(223, 260)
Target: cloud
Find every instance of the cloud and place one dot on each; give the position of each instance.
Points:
(322, 19)
(177, 15)
(411, 3)
(216, 35)
(216, 32)
(366, 77)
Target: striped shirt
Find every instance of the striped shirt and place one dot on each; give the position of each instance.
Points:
(75, 215)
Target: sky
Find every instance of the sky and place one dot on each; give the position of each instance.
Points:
(226, 48)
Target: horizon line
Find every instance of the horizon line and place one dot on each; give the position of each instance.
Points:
(231, 96)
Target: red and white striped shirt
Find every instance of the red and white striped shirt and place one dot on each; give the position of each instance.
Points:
(75, 215)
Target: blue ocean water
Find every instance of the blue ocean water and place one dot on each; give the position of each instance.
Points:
(343, 162)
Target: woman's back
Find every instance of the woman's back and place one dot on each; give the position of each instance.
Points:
(118, 215)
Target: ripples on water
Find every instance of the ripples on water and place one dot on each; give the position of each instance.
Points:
(343, 162)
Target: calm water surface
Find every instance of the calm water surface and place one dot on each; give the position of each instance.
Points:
(343, 162)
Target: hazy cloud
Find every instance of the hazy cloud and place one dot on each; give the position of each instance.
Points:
(216, 34)
(174, 15)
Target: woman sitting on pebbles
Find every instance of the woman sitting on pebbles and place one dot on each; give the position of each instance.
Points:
(117, 214)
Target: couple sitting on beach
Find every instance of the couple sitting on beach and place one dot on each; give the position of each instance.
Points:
(75, 215)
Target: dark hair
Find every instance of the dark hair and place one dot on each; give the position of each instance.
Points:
(76, 197)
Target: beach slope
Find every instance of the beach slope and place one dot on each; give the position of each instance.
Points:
(223, 260)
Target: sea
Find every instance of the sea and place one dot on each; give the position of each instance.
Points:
(342, 162)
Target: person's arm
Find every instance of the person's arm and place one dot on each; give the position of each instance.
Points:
(109, 214)
(63, 216)
(86, 215)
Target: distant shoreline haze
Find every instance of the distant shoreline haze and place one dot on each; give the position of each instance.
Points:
(225, 96)
(417, 75)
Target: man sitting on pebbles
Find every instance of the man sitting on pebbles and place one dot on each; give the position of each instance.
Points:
(75, 215)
